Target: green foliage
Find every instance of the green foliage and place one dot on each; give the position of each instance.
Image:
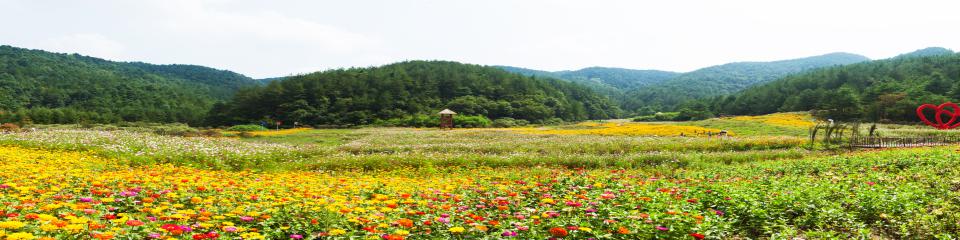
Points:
(612, 82)
(247, 128)
(42, 87)
(725, 79)
(360, 96)
(658, 117)
(421, 120)
(509, 122)
(464, 121)
(882, 90)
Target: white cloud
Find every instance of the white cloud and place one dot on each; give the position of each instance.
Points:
(196, 18)
(276, 38)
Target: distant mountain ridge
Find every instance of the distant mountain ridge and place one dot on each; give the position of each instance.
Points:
(926, 52)
(51, 87)
(612, 82)
(726, 79)
(655, 90)
(887, 89)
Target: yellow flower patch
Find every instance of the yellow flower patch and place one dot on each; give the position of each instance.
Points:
(780, 119)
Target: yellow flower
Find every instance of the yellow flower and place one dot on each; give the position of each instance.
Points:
(20, 236)
(12, 224)
(586, 229)
(547, 200)
(457, 229)
(335, 232)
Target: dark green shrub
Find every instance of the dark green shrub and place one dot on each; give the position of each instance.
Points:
(247, 128)
(464, 121)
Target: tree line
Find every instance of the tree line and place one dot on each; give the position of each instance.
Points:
(359, 96)
(881, 90)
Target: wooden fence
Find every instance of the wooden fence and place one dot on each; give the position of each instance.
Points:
(913, 141)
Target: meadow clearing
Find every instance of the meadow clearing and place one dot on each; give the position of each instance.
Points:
(600, 180)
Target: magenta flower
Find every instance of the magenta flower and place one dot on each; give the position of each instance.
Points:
(509, 234)
(662, 228)
(296, 236)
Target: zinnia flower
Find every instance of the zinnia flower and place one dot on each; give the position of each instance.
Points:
(558, 232)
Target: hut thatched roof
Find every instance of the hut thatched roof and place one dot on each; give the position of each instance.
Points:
(447, 111)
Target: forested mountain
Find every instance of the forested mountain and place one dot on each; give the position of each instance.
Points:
(45, 87)
(724, 79)
(888, 89)
(363, 95)
(926, 52)
(612, 82)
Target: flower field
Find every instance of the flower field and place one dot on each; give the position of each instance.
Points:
(396, 183)
(66, 194)
(624, 129)
(799, 120)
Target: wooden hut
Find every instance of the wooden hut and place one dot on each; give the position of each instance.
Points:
(446, 119)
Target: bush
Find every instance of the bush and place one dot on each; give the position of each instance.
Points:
(552, 121)
(658, 117)
(9, 127)
(176, 130)
(509, 122)
(247, 128)
(465, 121)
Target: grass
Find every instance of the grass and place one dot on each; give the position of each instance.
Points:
(312, 137)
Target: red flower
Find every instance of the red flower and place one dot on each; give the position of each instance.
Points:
(558, 232)
(697, 235)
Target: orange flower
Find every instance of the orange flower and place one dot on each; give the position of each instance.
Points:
(407, 223)
(558, 232)
(623, 230)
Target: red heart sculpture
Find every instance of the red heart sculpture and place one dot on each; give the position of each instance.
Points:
(941, 110)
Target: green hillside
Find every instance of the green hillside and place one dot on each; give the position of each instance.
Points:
(363, 95)
(725, 79)
(888, 89)
(43, 87)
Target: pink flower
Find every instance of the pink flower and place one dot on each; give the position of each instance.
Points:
(246, 218)
(296, 236)
(871, 183)
(509, 234)
(662, 228)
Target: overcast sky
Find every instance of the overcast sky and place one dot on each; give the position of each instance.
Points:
(278, 38)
